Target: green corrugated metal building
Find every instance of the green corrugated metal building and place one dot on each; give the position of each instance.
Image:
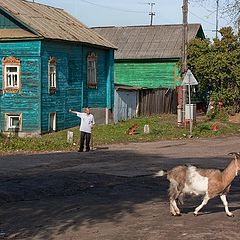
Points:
(148, 56)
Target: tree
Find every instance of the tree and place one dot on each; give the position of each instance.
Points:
(229, 8)
(217, 68)
(232, 9)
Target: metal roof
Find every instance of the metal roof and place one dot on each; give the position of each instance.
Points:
(15, 33)
(148, 42)
(51, 23)
(118, 86)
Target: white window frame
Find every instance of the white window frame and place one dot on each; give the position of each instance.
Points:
(52, 75)
(10, 83)
(9, 119)
(54, 121)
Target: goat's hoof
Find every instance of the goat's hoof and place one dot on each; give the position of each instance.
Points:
(195, 214)
(176, 214)
(230, 215)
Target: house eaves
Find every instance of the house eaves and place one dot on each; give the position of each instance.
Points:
(52, 23)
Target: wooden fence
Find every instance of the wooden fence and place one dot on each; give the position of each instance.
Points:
(155, 101)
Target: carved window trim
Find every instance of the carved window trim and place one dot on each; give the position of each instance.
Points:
(52, 75)
(11, 62)
(92, 70)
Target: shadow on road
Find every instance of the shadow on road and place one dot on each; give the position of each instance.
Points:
(65, 191)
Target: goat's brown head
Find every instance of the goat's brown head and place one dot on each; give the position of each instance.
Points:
(237, 160)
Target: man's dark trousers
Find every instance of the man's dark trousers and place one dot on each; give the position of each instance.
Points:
(85, 136)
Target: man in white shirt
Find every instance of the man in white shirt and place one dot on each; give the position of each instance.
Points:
(87, 122)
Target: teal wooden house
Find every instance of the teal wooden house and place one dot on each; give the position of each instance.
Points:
(50, 62)
(148, 56)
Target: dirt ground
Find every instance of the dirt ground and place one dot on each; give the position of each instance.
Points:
(106, 195)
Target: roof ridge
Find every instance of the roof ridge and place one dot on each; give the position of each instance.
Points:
(137, 26)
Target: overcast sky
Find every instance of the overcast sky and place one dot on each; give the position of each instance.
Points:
(136, 12)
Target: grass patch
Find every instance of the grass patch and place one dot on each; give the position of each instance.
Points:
(162, 127)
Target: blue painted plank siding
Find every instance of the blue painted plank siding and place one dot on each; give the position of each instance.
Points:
(27, 101)
(102, 96)
(72, 90)
(34, 101)
(110, 80)
(68, 86)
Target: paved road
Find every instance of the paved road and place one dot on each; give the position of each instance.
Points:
(107, 195)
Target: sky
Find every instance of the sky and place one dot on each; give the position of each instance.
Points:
(94, 13)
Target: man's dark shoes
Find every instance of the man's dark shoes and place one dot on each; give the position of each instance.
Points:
(80, 150)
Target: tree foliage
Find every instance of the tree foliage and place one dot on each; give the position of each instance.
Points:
(217, 68)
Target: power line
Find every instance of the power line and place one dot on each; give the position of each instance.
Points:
(201, 18)
(112, 8)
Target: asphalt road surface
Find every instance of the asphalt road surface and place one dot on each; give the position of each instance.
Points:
(109, 194)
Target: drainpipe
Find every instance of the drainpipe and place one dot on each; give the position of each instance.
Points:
(82, 81)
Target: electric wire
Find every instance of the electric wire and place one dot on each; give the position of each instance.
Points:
(112, 8)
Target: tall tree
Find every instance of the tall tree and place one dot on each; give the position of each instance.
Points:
(217, 68)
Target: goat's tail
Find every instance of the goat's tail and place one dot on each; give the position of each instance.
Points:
(161, 173)
(235, 154)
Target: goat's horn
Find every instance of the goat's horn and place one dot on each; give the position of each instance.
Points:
(236, 154)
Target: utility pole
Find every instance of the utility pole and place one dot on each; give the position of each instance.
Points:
(238, 23)
(185, 34)
(217, 12)
(152, 14)
(184, 54)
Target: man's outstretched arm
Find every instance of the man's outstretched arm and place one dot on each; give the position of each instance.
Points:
(75, 112)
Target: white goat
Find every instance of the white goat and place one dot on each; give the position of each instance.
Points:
(196, 181)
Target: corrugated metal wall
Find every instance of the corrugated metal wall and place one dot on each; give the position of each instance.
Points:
(125, 104)
(155, 101)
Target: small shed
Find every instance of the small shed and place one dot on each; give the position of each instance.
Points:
(130, 102)
(126, 102)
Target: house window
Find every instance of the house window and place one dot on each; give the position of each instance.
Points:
(13, 122)
(11, 74)
(52, 77)
(52, 122)
(92, 70)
